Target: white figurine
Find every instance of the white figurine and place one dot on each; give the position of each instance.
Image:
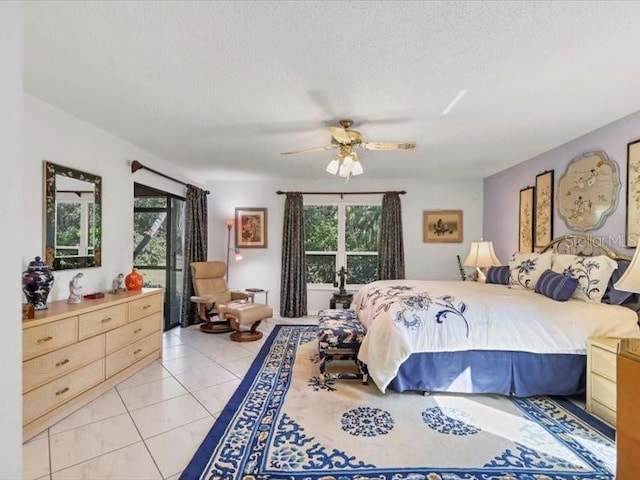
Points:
(117, 285)
(75, 289)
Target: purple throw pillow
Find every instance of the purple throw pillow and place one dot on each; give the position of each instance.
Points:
(498, 275)
(556, 286)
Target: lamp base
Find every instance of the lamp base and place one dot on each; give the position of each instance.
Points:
(482, 278)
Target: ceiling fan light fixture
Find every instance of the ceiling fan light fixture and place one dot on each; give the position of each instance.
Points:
(333, 166)
(357, 169)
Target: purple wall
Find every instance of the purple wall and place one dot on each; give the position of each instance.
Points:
(501, 191)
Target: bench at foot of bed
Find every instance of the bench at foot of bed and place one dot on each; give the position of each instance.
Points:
(340, 335)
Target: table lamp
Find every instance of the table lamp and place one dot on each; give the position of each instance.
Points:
(481, 255)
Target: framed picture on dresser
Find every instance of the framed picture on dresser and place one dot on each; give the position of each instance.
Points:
(543, 209)
(525, 222)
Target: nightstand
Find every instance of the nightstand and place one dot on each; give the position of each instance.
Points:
(601, 377)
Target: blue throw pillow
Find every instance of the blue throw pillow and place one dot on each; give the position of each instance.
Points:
(499, 275)
(618, 297)
(556, 286)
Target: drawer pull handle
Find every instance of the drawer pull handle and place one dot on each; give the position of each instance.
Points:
(105, 320)
(44, 339)
(137, 330)
(64, 390)
(63, 362)
(146, 306)
(137, 351)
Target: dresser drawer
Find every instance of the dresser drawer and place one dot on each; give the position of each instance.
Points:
(48, 337)
(45, 368)
(604, 412)
(145, 306)
(603, 362)
(132, 332)
(603, 391)
(41, 400)
(102, 320)
(129, 355)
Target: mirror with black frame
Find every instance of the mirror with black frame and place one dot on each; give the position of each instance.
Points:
(73, 213)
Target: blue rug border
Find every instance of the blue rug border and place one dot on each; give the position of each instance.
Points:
(195, 468)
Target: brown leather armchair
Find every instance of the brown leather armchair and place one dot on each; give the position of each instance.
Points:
(233, 309)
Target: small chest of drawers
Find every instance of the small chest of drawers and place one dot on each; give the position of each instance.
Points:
(602, 377)
(74, 353)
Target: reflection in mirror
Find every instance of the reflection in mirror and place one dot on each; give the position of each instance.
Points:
(73, 218)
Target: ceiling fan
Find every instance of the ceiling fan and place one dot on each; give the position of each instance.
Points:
(346, 163)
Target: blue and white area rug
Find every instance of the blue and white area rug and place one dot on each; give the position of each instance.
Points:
(283, 422)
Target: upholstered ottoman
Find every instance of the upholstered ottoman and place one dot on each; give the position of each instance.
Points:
(340, 334)
(245, 314)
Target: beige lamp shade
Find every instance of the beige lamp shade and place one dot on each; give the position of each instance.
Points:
(481, 254)
(630, 280)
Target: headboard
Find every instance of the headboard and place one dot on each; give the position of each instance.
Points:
(577, 244)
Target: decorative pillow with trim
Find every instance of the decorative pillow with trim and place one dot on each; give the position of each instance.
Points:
(525, 269)
(498, 275)
(593, 274)
(556, 286)
(618, 297)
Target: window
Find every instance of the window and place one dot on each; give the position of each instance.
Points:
(341, 235)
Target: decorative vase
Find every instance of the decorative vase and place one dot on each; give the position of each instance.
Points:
(134, 280)
(37, 281)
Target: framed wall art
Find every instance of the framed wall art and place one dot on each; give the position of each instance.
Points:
(588, 191)
(251, 228)
(525, 222)
(543, 209)
(442, 226)
(633, 194)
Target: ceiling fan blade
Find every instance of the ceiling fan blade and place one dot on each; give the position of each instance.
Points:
(388, 145)
(340, 134)
(315, 149)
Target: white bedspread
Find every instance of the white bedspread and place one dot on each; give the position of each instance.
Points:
(410, 316)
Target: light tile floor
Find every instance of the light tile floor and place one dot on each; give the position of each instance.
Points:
(149, 426)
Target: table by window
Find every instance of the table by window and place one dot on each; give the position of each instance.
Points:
(343, 299)
(254, 291)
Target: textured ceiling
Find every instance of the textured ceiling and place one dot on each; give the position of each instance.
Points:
(220, 88)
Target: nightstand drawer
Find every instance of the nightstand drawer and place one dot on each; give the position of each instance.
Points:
(604, 413)
(603, 363)
(603, 391)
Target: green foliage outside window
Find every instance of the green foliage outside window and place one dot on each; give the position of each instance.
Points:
(362, 232)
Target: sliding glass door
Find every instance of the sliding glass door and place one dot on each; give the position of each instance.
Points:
(158, 245)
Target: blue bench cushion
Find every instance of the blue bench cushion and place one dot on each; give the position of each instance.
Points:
(337, 314)
(340, 334)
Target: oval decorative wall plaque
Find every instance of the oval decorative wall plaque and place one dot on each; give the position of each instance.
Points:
(588, 191)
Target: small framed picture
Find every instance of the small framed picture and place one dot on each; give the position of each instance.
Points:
(442, 226)
(633, 194)
(525, 230)
(251, 228)
(544, 209)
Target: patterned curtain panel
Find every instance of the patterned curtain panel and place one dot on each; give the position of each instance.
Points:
(293, 282)
(391, 248)
(195, 248)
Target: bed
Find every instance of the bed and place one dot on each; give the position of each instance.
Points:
(471, 337)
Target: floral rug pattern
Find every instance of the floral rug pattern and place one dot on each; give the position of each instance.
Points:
(287, 422)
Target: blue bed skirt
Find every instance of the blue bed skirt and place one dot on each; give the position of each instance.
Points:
(522, 374)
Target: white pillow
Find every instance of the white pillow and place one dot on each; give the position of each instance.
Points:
(525, 269)
(593, 274)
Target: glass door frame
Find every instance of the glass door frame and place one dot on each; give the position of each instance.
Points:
(170, 264)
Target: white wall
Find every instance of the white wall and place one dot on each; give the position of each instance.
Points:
(10, 239)
(261, 267)
(53, 135)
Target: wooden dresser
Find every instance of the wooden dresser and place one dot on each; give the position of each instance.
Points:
(628, 433)
(73, 353)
